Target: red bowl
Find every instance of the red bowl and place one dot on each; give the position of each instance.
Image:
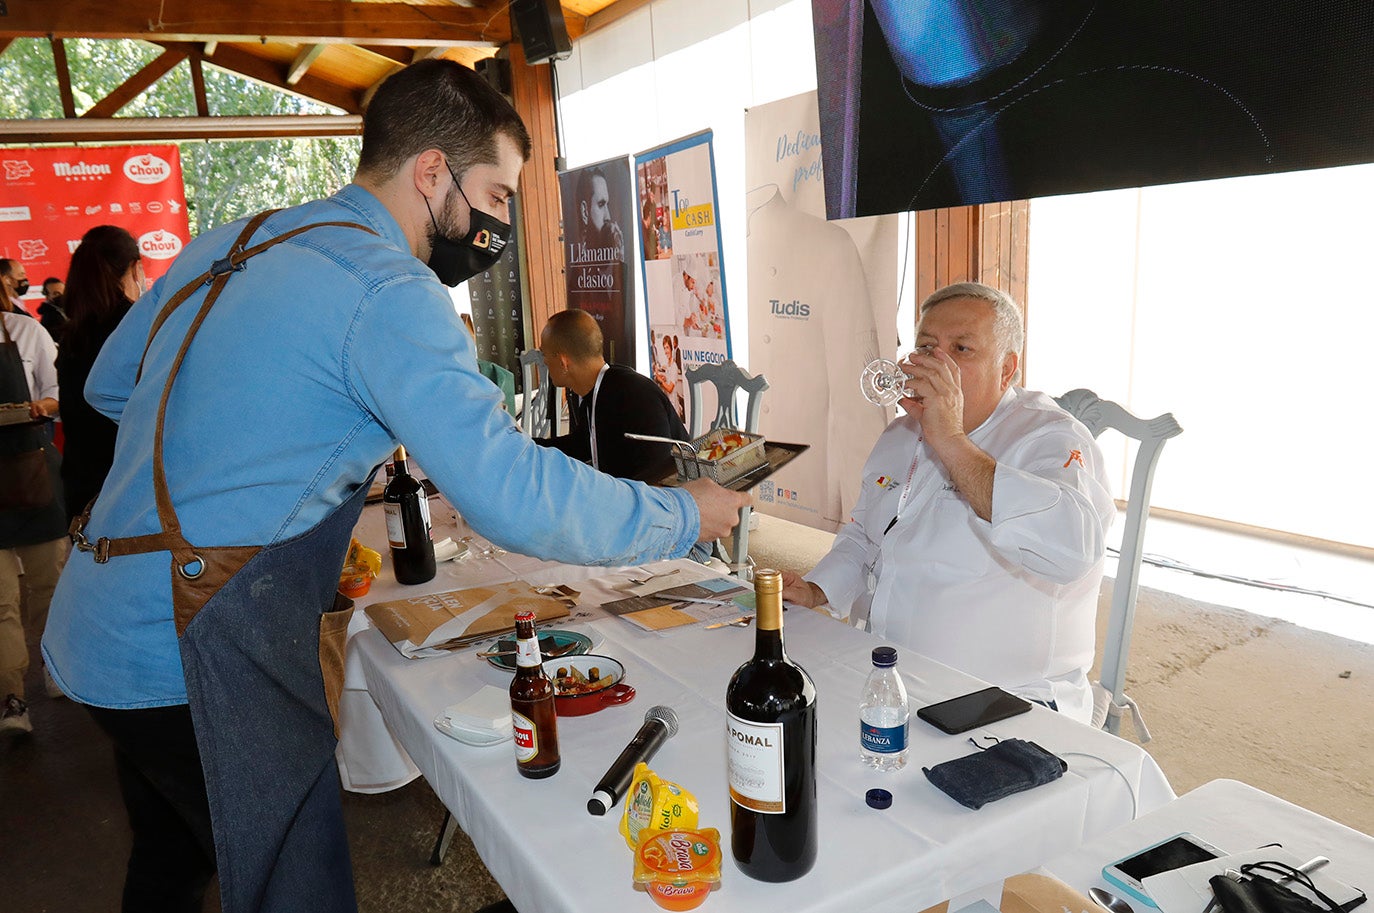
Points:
(579, 704)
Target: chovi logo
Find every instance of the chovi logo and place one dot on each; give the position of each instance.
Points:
(159, 245)
(147, 169)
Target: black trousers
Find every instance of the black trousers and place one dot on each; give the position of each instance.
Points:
(160, 777)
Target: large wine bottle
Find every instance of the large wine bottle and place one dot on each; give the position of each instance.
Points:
(770, 729)
(407, 525)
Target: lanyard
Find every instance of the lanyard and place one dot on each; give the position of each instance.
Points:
(906, 489)
(591, 421)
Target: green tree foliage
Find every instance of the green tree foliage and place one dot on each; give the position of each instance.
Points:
(225, 180)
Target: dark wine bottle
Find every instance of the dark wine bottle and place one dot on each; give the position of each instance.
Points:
(407, 525)
(770, 729)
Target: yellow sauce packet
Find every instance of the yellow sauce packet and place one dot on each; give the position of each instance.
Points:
(653, 802)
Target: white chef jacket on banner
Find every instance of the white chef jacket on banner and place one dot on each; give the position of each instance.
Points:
(1012, 601)
(812, 330)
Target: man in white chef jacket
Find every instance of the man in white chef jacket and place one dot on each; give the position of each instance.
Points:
(979, 535)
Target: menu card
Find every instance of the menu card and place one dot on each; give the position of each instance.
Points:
(712, 599)
(431, 624)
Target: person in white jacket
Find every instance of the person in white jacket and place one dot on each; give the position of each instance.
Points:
(978, 539)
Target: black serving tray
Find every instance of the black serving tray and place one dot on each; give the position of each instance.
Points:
(776, 455)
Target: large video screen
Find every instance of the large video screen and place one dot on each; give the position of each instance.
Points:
(931, 103)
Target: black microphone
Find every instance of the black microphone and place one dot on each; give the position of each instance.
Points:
(660, 724)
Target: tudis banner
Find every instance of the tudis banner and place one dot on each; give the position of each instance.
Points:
(50, 197)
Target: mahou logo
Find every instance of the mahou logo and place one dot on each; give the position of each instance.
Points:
(147, 169)
(159, 245)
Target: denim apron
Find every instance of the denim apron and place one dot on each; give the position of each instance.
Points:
(250, 622)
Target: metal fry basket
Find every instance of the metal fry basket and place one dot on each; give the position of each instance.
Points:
(692, 462)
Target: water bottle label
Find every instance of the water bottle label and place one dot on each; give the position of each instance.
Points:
(882, 739)
(755, 765)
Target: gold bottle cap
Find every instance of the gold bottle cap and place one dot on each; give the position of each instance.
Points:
(767, 581)
(400, 454)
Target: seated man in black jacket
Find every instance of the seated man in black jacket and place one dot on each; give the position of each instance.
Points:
(607, 401)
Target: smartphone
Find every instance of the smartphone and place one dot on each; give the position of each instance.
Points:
(1165, 856)
(969, 711)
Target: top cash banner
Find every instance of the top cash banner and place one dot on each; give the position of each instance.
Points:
(598, 213)
(684, 278)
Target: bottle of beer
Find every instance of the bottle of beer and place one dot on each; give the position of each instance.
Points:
(531, 706)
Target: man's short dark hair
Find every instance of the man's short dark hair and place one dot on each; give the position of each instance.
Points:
(437, 104)
(51, 280)
(574, 333)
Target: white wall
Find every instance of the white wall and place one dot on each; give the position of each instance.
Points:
(676, 67)
(1242, 306)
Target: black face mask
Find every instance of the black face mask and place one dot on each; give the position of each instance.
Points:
(21, 288)
(454, 261)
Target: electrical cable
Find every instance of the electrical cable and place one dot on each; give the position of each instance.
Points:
(557, 113)
(1175, 565)
(1135, 803)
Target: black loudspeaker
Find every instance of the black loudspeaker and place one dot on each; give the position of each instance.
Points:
(543, 33)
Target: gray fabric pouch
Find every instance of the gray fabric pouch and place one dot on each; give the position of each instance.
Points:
(1010, 766)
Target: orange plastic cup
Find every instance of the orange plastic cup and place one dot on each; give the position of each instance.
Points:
(678, 866)
(355, 580)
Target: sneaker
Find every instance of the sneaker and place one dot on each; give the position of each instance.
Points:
(50, 686)
(14, 716)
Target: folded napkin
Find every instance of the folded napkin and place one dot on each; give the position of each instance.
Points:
(489, 708)
(1010, 766)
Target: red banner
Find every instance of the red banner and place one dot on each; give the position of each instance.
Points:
(50, 197)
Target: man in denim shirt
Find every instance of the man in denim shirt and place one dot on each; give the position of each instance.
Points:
(319, 356)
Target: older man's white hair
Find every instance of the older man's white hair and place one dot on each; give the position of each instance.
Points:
(1006, 316)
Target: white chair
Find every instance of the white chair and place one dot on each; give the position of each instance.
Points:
(541, 415)
(730, 380)
(1099, 414)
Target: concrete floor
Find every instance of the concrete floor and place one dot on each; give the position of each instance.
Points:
(1226, 693)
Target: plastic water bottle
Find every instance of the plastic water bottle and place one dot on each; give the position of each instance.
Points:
(884, 714)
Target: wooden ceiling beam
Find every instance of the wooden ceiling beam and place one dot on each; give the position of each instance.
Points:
(229, 57)
(399, 55)
(138, 83)
(198, 84)
(286, 21)
(64, 77)
(149, 129)
(307, 56)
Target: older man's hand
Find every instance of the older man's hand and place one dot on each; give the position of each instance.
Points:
(801, 592)
(938, 398)
(719, 507)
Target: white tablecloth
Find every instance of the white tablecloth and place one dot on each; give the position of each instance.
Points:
(549, 854)
(1233, 817)
(370, 759)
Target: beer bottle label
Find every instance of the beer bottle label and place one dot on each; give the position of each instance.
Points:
(526, 737)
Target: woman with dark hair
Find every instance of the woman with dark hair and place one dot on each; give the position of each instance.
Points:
(105, 278)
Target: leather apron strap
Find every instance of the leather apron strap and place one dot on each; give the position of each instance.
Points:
(197, 572)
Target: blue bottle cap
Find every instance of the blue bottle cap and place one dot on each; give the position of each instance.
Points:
(884, 656)
(878, 798)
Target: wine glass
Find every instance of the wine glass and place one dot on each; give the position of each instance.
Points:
(883, 382)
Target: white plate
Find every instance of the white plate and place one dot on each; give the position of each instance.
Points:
(478, 737)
